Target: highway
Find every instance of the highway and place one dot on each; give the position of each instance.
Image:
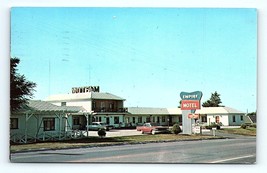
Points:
(239, 150)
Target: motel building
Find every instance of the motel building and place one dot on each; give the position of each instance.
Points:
(66, 116)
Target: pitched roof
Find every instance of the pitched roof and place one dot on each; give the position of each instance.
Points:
(83, 96)
(105, 96)
(43, 106)
(178, 111)
(67, 97)
(147, 111)
(218, 110)
(174, 111)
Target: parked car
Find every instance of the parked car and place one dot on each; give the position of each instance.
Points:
(109, 126)
(152, 128)
(97, 126)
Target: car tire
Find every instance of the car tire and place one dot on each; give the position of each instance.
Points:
(142, 132)
(153, 132)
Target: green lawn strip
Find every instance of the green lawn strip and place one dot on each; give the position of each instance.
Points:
(96, 141)
(250, 131)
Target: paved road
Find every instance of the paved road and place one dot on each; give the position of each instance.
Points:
(238, 150)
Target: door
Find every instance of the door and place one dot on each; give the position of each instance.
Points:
(107, 120)
(217, 119)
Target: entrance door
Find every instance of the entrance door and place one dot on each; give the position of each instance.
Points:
(217, 119)
(170, 120)
(107, 120)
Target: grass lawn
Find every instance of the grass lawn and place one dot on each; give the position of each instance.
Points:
(250, 131)
(96, 141)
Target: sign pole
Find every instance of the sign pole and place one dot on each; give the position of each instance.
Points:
(187, 122)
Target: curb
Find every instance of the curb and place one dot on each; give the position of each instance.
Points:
(116, 144)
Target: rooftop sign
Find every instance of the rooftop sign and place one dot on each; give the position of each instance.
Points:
(85, 89)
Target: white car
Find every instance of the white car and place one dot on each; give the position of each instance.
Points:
(97, 126)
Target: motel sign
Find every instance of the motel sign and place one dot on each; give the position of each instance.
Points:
(191, 101)
(190, 104)
(85, 89)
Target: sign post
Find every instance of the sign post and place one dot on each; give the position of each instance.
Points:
(190, 102)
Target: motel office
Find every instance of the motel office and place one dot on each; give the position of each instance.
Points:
(63, 113)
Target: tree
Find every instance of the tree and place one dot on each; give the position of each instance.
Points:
(21, 90)
(214, 100)
(180, 102)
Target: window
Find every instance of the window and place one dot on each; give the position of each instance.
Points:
(111, 105)
(94, 105)
(148, 119)
(76, 120)
(99, 119)
(234, 118)
(14, 123)
(49, 124)
(93, 119)
(158, 119)
(139, 119)
(116, 120)
(133, 119)
(204, 118)
(241, 118)
(163, 119)
(102, 105)
(153, 119)
(63, 103)
(127, 119)
(181, 119)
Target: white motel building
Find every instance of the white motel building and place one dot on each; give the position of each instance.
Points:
(67, 115)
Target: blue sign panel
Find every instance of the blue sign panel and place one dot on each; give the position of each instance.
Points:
(191, 96)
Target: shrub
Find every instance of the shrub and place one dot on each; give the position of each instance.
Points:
(176, 129)
(101, 133)
(214, 125)
(243, 126)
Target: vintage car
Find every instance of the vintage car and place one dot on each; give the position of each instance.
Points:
(98, 125)
(152, 128)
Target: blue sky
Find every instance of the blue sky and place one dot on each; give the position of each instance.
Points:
(145, 55)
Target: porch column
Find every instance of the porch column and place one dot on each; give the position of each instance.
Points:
(87, 124)
(27, 117)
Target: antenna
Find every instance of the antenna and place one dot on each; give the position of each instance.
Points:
(89, 74)
(49, 76)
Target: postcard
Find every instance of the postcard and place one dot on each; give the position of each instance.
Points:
(133, 85)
